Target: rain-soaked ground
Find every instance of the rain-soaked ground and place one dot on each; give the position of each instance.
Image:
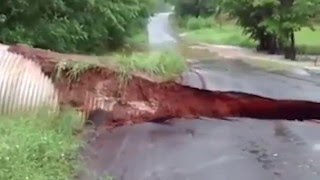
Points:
(248, 149)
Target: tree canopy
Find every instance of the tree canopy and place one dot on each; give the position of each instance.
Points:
(194, 7)
(72, 25)
(273, 22)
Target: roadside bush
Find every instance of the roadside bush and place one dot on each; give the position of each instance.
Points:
(203, 8)
(72, 25)
(194, 23)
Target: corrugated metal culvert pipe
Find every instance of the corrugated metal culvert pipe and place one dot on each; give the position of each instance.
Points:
(23, 87)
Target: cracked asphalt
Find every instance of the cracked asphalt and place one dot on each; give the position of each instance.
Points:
(202, 149)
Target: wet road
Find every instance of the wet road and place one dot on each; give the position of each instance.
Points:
(160, 34)
(236, 76)
(245, 149)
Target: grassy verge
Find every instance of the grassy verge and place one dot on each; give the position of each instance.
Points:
(225, 35)
(308, 40)
(166, 65)
(199, 30)
(39, 146)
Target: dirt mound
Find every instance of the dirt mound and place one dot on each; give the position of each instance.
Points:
(139, 100)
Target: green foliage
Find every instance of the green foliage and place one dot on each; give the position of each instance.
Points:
(73, 69)
(194, 23)
(273, 22)
(162, 6)
(194, 7)
(39, 146)
(248, 16)
(273, 15)
(72, 25)
(229, 34)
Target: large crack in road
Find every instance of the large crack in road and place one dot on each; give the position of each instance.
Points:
(212, 148)
(177, 101)
(194, 147)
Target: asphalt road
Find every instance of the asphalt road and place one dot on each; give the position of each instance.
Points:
(236, 76)
(246, 149)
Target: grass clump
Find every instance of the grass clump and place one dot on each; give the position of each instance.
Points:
(167, 64)
(195, 23)
(73, 69)
(39, 146)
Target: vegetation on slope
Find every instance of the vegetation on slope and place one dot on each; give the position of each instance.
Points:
(273, 24)
(39, 146)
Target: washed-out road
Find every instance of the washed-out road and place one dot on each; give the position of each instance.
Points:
(203, 149)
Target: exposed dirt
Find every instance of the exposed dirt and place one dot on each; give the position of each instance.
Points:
(141, 100)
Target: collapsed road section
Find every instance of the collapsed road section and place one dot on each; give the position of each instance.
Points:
(139, 100)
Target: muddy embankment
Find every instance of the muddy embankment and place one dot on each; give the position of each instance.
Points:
(141, 100)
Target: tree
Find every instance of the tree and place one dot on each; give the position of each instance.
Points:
(273, 22)
(194, 7)
(72, 25)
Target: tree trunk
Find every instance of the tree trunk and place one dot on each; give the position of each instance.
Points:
(268, 43)
(262, 41)
(280, 47)
(198, 8)
(289, 46)
(290, 51)
(272, 44)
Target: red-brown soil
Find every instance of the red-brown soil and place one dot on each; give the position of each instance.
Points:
(142, 100)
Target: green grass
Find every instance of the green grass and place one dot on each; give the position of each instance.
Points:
(194, 23)
(73, 69)
(308, 41)
(225, 35)
(229, 34)
(308, 37)
(166, 65)
(39, 146)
